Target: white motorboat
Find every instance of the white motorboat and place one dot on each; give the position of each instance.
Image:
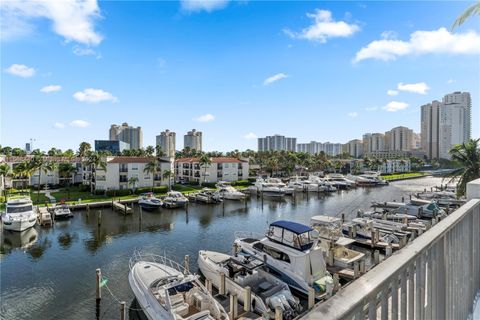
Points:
(416, 207)
(174, 199)
(267, 189)
(166, 291)
(290, 252)
(148, 201)
(279, 183)
(267, 291)
(227, 192)
(206, 195)
(20, 214)
(62, 212)
(305, 185)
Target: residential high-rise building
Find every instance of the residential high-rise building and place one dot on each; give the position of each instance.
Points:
(166, 141)
(373, 142)
(277, 142)
(445, 124)
(354, 148)
(193, 140)
(131, 135)
(399, 139)
(314, 147)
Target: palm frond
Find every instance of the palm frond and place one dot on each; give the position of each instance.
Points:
(469, 12)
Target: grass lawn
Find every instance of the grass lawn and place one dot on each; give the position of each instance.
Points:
(403, 175)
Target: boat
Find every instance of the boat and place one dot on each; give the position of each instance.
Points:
(62, 212)
(279, 183)
(227, 192)
(148, 201)
(363, 229)
(20, 214)
(305, 185)
(417, 207)
(167, 291)
(267, 291)
(174, 199)
(333, 243)
(206, 195)
(267, 189)
(289, 251)
(388, 215)
(340, 178)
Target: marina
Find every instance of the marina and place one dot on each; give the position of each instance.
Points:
(106, 239)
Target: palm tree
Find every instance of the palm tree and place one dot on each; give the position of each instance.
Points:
(66, 170)
(133, 182)
(468, 13)
(467, 155)
(84, 149)
(149, 151)
(4, 171)
(39, 164)
(167, 174)
(151, 168)
(22, 170)
(159, 152)
(204, 162)
(95, 161)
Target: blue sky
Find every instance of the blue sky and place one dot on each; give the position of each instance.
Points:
(234, 70)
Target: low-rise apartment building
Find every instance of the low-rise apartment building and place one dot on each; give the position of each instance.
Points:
(220, 169)
(395, 166)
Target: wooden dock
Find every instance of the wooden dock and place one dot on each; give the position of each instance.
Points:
(44, 217)
(122, 207)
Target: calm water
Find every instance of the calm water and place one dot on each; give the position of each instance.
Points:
(54, 278)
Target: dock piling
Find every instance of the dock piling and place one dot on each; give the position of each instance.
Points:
(356, 270)
(278, 313)
(233, 306)
(99, 218)
(123, 311)
(247, 303)
(336, 282)
(362, 266)
(376, 257)
(221, 289)
(98, 291)
(311, 298)
(388, 251)
(186, 264)
(235, 249)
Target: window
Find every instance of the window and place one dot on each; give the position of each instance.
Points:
(134, 166)
(274, 253)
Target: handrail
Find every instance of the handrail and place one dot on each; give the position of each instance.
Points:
(351, 301)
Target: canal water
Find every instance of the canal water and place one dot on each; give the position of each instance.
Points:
(49, 273)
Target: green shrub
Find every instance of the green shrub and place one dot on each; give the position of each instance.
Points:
(84, 187)
(242, 183)
(118, 193)
(252, 180)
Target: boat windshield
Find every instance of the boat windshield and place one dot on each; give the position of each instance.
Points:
(433, 206)
(183, 287)
(19, 209)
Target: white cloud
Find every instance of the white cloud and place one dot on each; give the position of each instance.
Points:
(420, 87)
(203, 5)
(205, 118)
(450, 81)
(72, 19)
(250, 136)
(352, 114)
(59, 125)
(324, 27)
(94, 95)
(79, 123)
(392, 92)
(51, 88)
(21, 70)
(272, 79)
(371, 108)
(422, 42)
(395, 106)
(389, 34)
(86, 51)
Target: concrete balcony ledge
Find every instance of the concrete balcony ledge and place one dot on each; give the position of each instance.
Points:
(473, 190)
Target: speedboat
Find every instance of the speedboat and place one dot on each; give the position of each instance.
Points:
(416, 207)
(167, 291)
(148, 201)
(20, 214)
(174, 199)
(268, 292)
(290, 252)
(227, 192)
(62, 212)
(206, 195)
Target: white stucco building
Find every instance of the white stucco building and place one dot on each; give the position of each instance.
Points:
(193, 140)
(166, 141)
(220, 169)
(394, 166)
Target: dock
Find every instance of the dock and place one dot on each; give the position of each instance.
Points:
(122, 207)
(44, 217)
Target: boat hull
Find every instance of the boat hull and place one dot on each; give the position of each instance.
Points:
(19, 224)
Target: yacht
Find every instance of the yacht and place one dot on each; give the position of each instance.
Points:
(279, 183)
(333, 243)
(267, 189)
(305, 185)
(340, 181)
(227, 192)
(206, 195)
(416, 207)
(174, 199)
(363, 229)
(289, 251)
(62, 212)
(167, 291)
(148, 201)
(20, 214)
(268, 292)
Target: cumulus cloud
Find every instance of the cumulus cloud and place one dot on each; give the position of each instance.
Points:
(250, 136)
(203, 5)
(79, 123)
(276, 77)
(420, 43)
(450, 81)
(205, 118)
(392, 92)
(323, 28)
(21, 70)
(388, 34)
(395, 106)
(59, 125)
(420, 87)
(94, 95)
(51, 88)
(352, 114)
(74, 20)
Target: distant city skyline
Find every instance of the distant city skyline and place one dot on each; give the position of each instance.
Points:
(317, 71)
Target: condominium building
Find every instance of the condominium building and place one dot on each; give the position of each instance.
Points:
(399, 139)
(313, 147)
(354, 148)
(393, 166)
(277, 143)
(445, 124)
(131, 135)
(128, 173)
(220, 169)
(373, 142)
(166, 141)
(193, 140)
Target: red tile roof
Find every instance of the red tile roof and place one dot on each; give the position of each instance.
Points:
(214, 160)
(131, 159)
(14, 159)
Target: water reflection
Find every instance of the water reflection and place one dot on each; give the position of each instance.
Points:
(17, 240)
(37, 250)
(66, 239)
